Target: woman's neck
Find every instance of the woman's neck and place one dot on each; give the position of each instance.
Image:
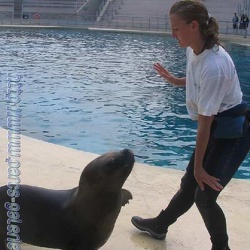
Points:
(199, 47)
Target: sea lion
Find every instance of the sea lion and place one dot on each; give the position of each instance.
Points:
(81, 218)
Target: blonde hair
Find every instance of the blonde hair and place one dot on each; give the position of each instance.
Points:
(195, 11)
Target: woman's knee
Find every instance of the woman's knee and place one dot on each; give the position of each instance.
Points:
(206, 198)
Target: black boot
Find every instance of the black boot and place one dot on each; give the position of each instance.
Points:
(153, 226)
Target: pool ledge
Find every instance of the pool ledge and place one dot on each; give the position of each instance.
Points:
(52, 166)
(238, 39)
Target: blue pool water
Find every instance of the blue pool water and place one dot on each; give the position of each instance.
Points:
(98, 91)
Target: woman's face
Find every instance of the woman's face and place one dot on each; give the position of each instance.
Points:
(182, 31)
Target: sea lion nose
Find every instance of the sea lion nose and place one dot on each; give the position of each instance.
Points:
(128, 153)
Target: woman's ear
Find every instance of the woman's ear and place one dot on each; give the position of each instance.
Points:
(195, 25)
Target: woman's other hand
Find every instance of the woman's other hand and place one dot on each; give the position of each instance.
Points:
(202, 177)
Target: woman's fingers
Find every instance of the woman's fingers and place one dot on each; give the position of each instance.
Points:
(200, 183)
(214, 183)
(203, 178)
(161, 70)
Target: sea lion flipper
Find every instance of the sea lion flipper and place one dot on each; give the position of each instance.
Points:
(126, 196)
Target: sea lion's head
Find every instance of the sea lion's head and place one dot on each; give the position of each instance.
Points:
(108, 172)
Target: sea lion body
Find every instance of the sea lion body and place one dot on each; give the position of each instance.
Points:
(81, 218)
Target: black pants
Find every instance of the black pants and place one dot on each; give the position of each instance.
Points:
(222, 159)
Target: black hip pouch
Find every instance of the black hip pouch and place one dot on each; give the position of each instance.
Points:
(232, 123)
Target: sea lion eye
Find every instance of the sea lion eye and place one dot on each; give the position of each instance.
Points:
(111, 161)
(111, 165)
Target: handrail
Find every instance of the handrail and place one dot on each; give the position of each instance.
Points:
(40, 5)
(101, 6)
(239, 9)
(246, 7)
(245, 2)
(80, 5)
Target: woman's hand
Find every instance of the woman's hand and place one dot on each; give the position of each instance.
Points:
(202, 177)
(163, 72)
(202, 138)
(180, 82)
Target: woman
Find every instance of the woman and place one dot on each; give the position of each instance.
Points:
(214, 99)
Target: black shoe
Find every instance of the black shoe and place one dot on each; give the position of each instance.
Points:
(151, 226)
(220, 248)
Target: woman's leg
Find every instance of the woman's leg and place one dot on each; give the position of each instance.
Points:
(213, 216)
(223, 158)
(183, 199)
(180, 203)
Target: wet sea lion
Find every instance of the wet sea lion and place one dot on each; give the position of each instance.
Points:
(81, 218)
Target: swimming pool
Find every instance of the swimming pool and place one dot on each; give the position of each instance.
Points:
(97, 91)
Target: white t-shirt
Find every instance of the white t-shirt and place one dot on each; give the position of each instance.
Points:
(212, 83)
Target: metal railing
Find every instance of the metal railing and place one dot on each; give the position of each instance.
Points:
(47, 7)
(135, 23)
(119, 22)
(226, 27)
